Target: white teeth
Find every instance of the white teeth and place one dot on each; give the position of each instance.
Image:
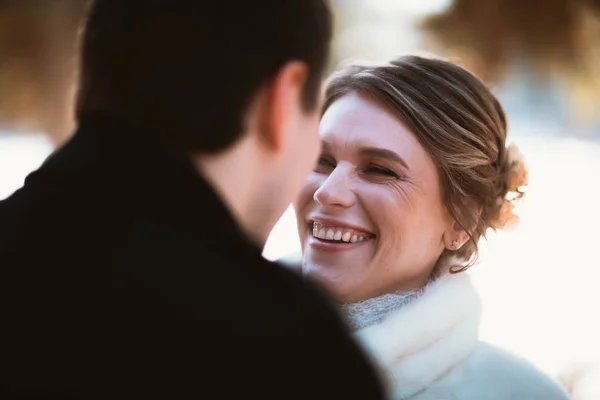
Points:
(336, 234)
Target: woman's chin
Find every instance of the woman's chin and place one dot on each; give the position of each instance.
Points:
(329, 278)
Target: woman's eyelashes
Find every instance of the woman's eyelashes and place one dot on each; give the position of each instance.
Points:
(327, 164)
(380, 171)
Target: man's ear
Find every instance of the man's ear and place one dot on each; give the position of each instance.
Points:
(282, 103)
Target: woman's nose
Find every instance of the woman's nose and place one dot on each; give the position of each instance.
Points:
(335, 191)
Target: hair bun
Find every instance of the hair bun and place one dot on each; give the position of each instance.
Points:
(516, 181)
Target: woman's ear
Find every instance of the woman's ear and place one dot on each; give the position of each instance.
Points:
(455, 237)
(457, 234)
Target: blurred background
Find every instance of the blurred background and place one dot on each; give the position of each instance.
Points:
(542, 58)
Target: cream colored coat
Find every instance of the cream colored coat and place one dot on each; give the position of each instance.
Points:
(429, 349)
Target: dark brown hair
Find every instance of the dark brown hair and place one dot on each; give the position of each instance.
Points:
(187, 70)
(458, 121)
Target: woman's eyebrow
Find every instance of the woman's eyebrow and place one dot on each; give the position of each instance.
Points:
(377, 152)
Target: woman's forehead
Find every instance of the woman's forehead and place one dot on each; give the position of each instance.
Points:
(353, 122)
(355, 110)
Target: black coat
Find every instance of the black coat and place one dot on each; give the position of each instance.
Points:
(124, 276)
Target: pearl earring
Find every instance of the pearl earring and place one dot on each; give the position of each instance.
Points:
(455, 244)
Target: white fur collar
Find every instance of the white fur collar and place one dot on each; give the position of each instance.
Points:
(423, 340)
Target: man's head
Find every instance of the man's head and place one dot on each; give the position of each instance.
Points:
(235, 85)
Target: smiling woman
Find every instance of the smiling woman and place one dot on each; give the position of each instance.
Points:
(414, 169)
(364, 182)
(414, 154)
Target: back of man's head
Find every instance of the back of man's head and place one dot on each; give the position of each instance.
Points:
(187, 70)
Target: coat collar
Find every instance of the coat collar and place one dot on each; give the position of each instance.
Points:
(423, 340)
(127, 166)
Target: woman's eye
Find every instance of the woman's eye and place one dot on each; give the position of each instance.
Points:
(373, 170)
(325, 163)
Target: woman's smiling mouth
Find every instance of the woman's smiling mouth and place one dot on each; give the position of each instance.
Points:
(335, 236)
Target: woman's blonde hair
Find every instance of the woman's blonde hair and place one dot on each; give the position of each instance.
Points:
(458, 121)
